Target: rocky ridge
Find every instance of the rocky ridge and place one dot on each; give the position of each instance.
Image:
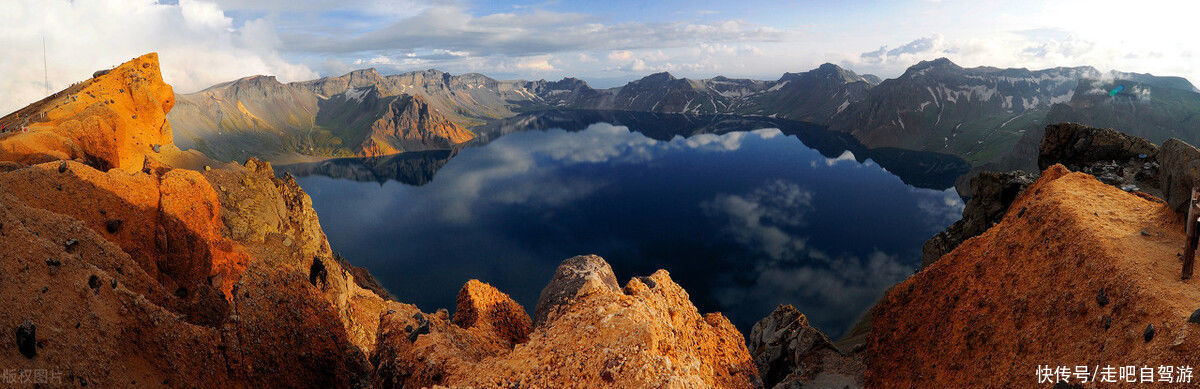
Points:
(137, 264)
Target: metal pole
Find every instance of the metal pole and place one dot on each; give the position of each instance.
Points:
(45, 69)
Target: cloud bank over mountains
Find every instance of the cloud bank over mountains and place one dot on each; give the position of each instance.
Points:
(203, 42)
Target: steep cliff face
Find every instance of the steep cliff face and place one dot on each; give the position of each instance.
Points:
(149, 266)
(1074, 274)
(409, 124)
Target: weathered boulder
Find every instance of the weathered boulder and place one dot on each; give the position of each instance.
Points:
(992, 194)
(577, 275)
(1180, 172)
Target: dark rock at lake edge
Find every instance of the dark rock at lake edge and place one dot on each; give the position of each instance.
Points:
(791, 353)
(993, 193)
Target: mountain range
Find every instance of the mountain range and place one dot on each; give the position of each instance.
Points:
(988, 116)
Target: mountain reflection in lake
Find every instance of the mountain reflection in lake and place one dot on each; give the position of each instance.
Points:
(744, 221)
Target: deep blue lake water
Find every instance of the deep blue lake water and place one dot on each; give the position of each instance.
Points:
(744, 221)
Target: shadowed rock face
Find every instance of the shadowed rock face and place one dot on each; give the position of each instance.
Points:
(788, 351)
(1180, 163)
(992, 194)
(1076, 146)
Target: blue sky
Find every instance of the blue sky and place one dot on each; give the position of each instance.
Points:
(607, 43)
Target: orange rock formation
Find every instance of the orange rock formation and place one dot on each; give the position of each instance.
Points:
(113, 120)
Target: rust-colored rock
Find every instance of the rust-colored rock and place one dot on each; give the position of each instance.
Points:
(480, 305)
(1024, 293)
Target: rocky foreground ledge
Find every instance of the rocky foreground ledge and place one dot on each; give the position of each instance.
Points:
(127, 262)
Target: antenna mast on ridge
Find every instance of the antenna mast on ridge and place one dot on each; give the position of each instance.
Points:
(45, 69)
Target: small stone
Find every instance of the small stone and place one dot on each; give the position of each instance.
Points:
(113, 225)
(1195, 318)
(1107, 322)
(1148, 333)
(27, 339)
(1145, 233)
(1177, 344)
(62, 167)
(70, 244)
(156, 148)
(94, 283)
(1102, 297)
(207, 168)
(53, 262)
(114, 283)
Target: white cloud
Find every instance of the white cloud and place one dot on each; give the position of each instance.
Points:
(759, 219)
(197, 44)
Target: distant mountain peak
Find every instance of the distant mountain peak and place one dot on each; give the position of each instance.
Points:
(827, 71)
(829, 67)
(942, 64)
(659, 77)
(247, 82)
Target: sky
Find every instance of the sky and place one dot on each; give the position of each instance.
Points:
(607, 43)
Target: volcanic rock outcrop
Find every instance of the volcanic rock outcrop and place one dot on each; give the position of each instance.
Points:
(125, 262)
(645, 335)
